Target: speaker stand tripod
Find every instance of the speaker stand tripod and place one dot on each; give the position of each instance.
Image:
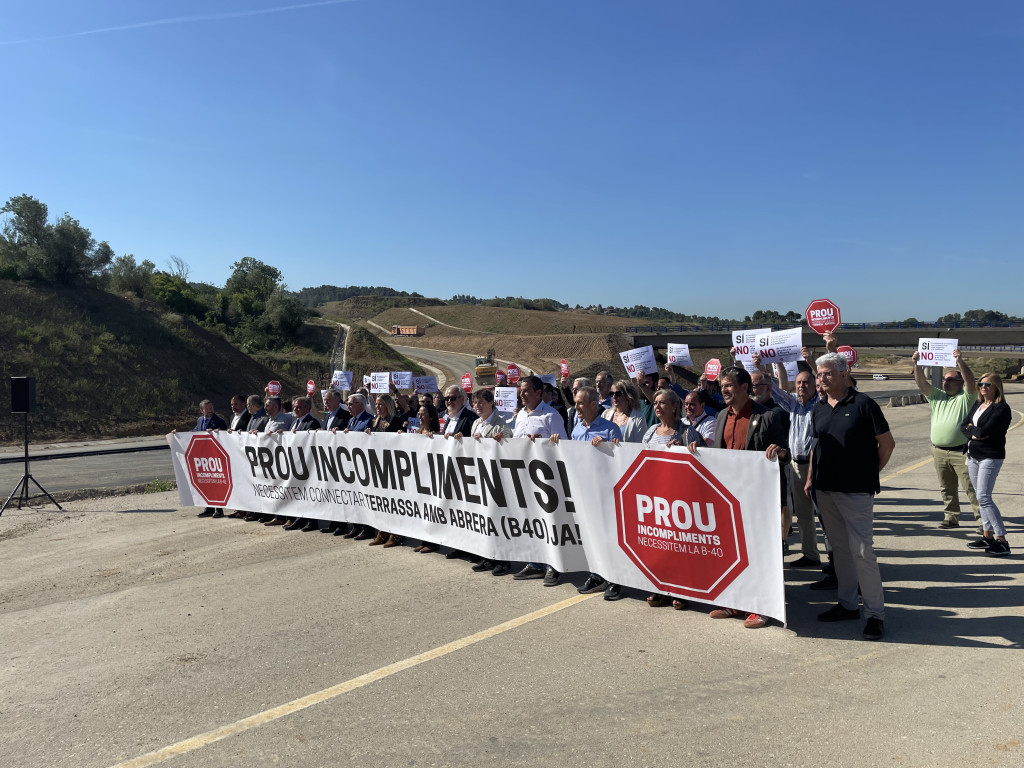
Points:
(22, 485)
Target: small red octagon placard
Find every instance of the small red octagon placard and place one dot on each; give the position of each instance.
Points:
(680, 525)
(209, 469)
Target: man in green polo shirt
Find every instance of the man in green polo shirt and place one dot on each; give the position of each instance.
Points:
(949, 408)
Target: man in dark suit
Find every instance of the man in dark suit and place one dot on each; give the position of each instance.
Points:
(240, 415)
(207, 422)
(240, 418)
(460, 416)
(304, 422)
(745, 425)
(335, 417)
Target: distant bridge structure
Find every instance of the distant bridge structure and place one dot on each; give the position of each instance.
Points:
(1009, 335)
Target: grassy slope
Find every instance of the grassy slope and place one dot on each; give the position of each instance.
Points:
(527, 322)
(367, 307)
(107, 366)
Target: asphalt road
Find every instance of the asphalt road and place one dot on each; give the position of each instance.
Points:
(130, 628)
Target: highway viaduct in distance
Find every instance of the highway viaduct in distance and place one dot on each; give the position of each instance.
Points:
(856, 335)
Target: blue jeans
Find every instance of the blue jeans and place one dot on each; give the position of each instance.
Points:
(983, 477)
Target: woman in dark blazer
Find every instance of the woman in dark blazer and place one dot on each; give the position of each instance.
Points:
(985, 426)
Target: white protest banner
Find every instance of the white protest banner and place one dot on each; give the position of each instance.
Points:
(639, 361)
(745, 344)
(402, 379)
(505, 399)
(679, 354)
(342, 381)
(366, 380)
(425, 384)
(548, 378)
(937, 352)
(702, 527)
(380, 382)
(780, 345)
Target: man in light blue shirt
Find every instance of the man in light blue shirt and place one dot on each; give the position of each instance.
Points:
(595, 430)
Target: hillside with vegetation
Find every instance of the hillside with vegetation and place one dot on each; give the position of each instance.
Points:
(108, 366)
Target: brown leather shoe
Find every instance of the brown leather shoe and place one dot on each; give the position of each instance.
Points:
(382, 536)
(658, 601)
(393, 541)
(236, 515)
(428, 548)
(363, 535)
(277, 521)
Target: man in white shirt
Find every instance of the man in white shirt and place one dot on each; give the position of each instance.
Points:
(537, 419)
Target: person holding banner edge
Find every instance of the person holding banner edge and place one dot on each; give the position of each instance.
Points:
(950, 406)
(207, 421)
(593, 429)
(536, 419)
(746, 425)
(490, 424)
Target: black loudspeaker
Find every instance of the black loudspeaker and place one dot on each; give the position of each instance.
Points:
(23, 394)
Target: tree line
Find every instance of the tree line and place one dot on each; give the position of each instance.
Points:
(255, 309)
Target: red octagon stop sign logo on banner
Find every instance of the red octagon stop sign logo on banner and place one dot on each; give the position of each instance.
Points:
(209, 469)
(680, 525)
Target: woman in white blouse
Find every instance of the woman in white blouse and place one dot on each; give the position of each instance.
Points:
(625, 412)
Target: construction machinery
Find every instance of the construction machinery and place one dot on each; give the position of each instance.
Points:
(485, 369)
(406, 330)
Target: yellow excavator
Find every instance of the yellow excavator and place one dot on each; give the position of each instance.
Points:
(485, 369)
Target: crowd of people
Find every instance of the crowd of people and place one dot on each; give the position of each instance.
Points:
(831, 443)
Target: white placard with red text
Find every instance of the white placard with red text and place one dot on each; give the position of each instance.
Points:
(745, 345)
(342, 381)
(937, 352)
(704, 527)
(639, 361)
(505, 399)
(425, 384)
(380, 382)
(402, 379)
(679, 354)
(782, 346)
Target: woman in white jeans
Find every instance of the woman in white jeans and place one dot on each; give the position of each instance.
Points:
(985, 426)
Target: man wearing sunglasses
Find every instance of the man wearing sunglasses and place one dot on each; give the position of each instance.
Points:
(949, 445)
(460, 417)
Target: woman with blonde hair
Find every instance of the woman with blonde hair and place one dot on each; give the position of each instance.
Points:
(625, 412)
(986, 425)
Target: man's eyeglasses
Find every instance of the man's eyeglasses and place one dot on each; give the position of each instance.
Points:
(452, 398)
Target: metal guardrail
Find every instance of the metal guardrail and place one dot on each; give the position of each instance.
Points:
(893, 326)
(20, 459)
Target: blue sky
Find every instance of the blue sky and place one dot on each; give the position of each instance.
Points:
(708, 157)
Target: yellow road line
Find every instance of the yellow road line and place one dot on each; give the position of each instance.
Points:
(205, 739)
(923, 462)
